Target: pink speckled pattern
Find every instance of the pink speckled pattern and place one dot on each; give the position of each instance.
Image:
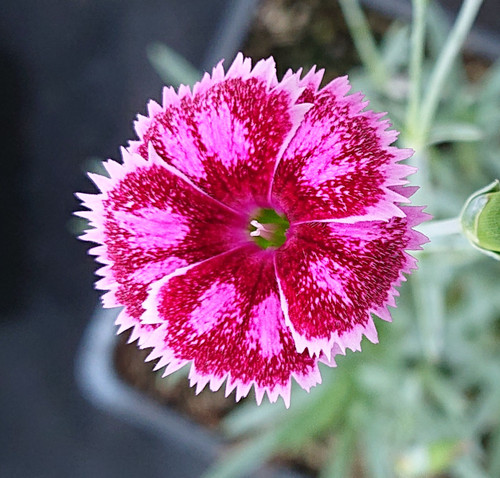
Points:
(150, 222)
(333, 275)
(224, 315)
(339, 164)
(172, 225)
(225, 136)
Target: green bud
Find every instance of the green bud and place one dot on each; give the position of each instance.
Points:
(480, 219)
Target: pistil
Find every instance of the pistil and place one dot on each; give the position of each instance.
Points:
(268, 228)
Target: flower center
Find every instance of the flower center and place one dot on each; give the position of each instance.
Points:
(268, 228)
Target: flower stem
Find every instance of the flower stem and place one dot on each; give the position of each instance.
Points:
(440, 228)
(454, 42)
(415, 67)
(364, 41)
(429, 305)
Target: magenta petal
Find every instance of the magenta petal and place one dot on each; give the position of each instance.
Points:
(226, 136)
(340, 165)
(190, 228)
(149, 222)
(333, 276)
(224, 316)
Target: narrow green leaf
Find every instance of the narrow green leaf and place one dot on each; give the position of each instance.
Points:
(445, 61)
(378, 452)
(364, 41)
(245, 458)
(342, 456)
(250, 417)
(173, 68)
(394, 47)
(454, 132)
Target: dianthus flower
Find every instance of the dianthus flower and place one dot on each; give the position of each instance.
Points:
(254, 228)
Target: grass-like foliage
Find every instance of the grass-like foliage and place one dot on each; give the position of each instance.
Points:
(425, 402)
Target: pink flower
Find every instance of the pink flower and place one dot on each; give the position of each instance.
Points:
(254, 228)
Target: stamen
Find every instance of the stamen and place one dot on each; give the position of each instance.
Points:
(258, 228)
(268, 228)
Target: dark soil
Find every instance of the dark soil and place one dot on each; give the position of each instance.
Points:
(303, 33)
(206, 408)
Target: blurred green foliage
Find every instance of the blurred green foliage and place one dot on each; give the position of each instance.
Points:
(425, 401)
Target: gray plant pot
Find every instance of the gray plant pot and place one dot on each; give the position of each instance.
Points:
(101, 385)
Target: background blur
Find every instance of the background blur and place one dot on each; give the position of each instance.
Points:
(73, 76)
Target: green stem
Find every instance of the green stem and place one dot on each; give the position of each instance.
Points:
(454, 42)
(440, 228)
(429, 305)
(364, 42)
(415, 67)
(446, 238)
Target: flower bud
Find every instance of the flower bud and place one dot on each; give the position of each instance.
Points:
(480, 219)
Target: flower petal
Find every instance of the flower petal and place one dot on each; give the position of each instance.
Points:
(333, 276)
(340, 165)
(149, 222)
(224, 315)
(227, 135)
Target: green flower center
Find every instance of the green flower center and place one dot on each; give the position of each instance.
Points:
(268, 229)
